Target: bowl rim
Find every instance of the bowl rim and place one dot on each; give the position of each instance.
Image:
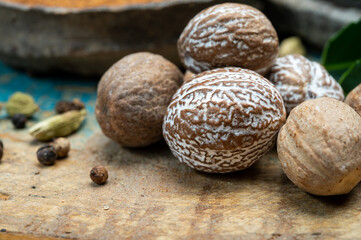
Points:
(120, 8)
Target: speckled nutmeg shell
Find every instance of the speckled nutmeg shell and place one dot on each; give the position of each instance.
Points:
(226, 35)
(319, 147)
(223, 120)
(133, 96)
(354, 99)
(298, 79)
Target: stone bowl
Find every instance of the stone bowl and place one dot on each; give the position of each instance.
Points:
(43, 39)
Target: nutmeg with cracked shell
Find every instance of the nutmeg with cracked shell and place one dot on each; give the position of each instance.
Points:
(133, 96)
(319, 147)
(354, 99)
(228, 35)
(299, 79)
(223, 120)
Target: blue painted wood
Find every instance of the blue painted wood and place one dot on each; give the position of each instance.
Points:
(47, 91)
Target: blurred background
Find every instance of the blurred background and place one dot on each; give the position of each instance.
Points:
(86, 37)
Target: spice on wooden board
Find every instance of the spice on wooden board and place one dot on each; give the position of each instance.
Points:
(319, 147)
(133, 96)
(19, 121)
(46, 155)
(58, 126)
(204, 127)
(354, 99)
(228, 35)
(61, 146)
(22, 103)
(66, 106)
(99, 175)
(298, 79)
(81, 4)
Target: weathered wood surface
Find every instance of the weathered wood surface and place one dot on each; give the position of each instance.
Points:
(150, 195)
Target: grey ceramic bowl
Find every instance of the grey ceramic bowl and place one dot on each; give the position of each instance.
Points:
(88, 41)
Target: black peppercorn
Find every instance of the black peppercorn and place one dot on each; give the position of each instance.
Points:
(1, 149)
(19, 120)
(99, 175)
(46, 155)
(65, 106)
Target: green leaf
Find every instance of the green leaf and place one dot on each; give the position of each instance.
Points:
(342, 49)
(352, 77)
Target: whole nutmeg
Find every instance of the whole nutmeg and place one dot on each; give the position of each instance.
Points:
(298, 79)
(223, 120)
(61, 146)
(133, 96)
(354, 99)
(319, 147)
(228, 35)
(1, 149)
(46, 155)
(99, 175)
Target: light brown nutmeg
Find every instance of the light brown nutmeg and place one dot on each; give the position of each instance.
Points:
(319, 147)
(223, 120)
(354, 99)
(133, 96)
(228, 35)
(61, 146)
(298, 79)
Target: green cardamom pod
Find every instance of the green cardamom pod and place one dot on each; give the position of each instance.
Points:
(21, 103)
(58, 126)
(291, 45)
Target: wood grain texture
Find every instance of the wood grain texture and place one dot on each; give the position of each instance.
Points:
(151, 195)
(12, 236)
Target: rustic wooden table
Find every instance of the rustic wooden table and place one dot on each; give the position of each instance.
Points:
(149, 193)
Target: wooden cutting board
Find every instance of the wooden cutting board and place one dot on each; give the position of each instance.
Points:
(151, 195)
